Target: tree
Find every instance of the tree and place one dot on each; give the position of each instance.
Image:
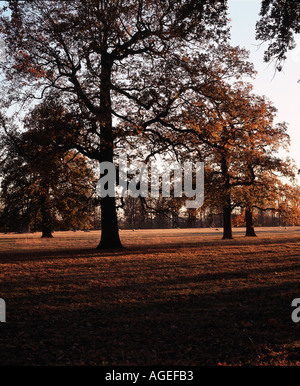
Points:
(278, 24)
(238, 140)
(107, 59)
(268, 192)
(289, 204)
(43, 185)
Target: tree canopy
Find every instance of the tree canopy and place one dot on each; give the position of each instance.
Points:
(279, 22)
(108, 59)
(44, 186)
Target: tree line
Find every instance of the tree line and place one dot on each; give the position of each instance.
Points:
(149, 77)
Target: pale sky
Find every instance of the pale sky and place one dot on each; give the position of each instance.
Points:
(282, 88)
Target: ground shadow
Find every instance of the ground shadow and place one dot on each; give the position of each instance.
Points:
(167, 247)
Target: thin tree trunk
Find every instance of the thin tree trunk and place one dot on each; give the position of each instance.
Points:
(109, 222)
(250, 232)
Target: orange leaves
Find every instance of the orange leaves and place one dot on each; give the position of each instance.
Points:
(38, 73)
(26, 65)
(32, 69)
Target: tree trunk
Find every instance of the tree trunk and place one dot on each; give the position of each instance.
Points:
(250, 232)
(109, 225)
(109, 222)
(227, 225)
(46, 233)
(46, 217)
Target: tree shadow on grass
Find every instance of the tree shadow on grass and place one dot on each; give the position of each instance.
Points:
(166, 247)
(156, 323)
(151, 309)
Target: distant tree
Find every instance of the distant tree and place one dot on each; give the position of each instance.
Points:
(263, 165)
(133, 215)
(267, 193)
(44, 186)
(289, 204)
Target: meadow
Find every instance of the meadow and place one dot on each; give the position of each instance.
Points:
(171, 297)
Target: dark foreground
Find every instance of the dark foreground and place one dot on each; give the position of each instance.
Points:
(181, 300)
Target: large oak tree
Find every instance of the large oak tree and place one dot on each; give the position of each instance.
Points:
(110, 60)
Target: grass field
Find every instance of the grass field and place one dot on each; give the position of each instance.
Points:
(172, 297)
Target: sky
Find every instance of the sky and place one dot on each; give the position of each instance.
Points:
(282, 88)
